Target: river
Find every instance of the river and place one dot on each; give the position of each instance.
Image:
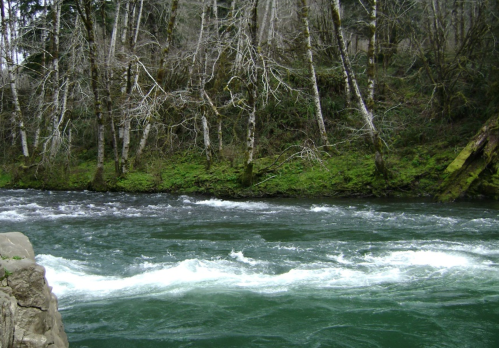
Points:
(157, 270)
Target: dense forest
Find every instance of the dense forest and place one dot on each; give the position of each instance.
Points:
(126, 86)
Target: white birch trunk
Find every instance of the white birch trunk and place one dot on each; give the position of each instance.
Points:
(56, 132)
(139, 17)
(206, 137)
(273, 16)
(132, 77)
(313, 78)
(39, 112)
(219, 121)
(17, 114)
(364, 111)
(202, 82)
(198, 45)
(264, 21)
(114, 35)
(109, 76)
(252, 87)
(64, 102)
(348, 92)
(371, 54)
(220, 135)
(206, 129)
(124, 31)
(55, 146)
(143, 140)
(202, 93)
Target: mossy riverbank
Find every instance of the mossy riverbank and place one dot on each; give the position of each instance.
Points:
(414, 172)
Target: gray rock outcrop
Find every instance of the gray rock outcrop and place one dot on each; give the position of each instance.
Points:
(29, 316)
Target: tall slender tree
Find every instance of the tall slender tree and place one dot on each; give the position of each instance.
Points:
(352, 81)
(56, 28)
(252, 90)
(371, 64)
(9, 53)
(304, 14)
(108, 76)
(85, 9)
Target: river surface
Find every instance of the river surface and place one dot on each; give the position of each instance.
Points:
(157, 270)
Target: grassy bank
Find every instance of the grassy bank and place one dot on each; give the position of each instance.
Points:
(414, 171)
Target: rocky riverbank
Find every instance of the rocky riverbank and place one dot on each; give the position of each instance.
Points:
(30, 318)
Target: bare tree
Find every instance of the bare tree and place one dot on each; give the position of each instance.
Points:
(364, 111)
(160, 77)
(444, 64)
(131, 78)
(9, 52)
(85, 10)
(108, 76)
(43, 67)
(56, 27)
(304, 10)
(371, 64)
(252, 89)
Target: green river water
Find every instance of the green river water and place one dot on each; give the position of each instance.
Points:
(157, 270)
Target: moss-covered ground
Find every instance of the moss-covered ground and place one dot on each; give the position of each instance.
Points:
(414, 171)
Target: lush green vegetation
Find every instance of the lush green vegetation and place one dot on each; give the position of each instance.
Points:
(414, 171)
(172, 86)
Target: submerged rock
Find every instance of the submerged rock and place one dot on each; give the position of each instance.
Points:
(29, 316)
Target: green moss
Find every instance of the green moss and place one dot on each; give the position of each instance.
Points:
(136, 182)
(415, 171)
(5, 178)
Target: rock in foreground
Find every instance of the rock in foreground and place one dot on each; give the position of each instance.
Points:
(29, 316)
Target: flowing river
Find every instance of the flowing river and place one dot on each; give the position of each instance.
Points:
(157, 270)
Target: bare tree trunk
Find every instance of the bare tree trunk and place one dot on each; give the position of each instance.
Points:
(272, 20)
(86, 16)
(264, 21)
(206, 137)
(39, 111)
(252, 88)
(143, 141)
(219, 121)
(198, 45)
(17, 115)
(364, 111)
(56, 132)
(131, 77)
(371, 68)
(348, 92)
(108, 74)
(202, 82)
(312, 76)
(125, 90)
(169, 40)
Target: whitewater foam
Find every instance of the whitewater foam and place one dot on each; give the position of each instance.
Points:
(76, 279)
(219, 203)
(420, 258)
(12, 215)
(241, 258)
(327, 209)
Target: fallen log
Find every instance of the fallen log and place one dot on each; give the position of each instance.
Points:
(480, 152)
